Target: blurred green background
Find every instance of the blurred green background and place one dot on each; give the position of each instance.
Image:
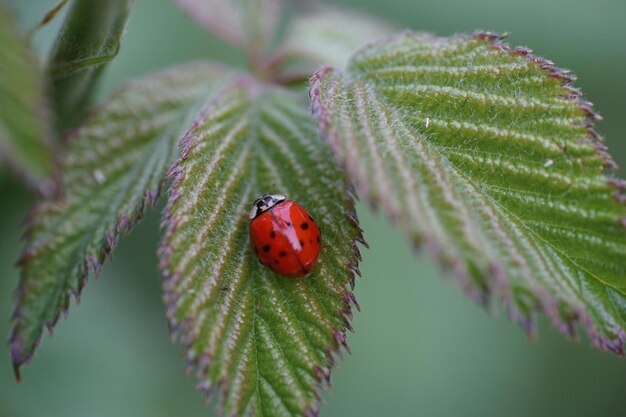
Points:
(420, 347)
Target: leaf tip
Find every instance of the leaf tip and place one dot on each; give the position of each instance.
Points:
(615, 345)
(18, 355)
(525, 321)
(312, 411)
(490, 36)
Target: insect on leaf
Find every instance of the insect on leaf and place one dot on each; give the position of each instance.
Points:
(265, 341)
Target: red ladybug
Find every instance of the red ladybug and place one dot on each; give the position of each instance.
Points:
(284, 235)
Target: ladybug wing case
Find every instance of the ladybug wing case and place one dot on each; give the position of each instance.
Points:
(286, 239)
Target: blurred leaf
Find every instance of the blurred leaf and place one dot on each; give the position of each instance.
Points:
(24, 119)
(48, 17)
(324, 35)
(264, 340)
(113, 168)
(248, 23)
(88, 40)
(488, 156)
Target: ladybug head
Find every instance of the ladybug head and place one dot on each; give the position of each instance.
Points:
(264, 203)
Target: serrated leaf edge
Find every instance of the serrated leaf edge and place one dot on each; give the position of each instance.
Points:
(498, 285)
(123, 225)
(169, 225)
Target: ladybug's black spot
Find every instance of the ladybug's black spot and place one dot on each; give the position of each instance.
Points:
(282, 253)
(289, 224)
(318, 238)
(304, 226)
(301, 243)
(272, 234)
(266, 248)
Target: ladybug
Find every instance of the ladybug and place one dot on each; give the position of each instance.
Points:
(284, 235)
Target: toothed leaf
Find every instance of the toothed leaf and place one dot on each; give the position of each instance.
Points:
(113, 168)
(265, 341)
(87, 42)
(487, 155)
(24, 126)
(248, 23)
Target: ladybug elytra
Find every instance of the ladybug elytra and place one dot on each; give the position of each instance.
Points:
(284, 235)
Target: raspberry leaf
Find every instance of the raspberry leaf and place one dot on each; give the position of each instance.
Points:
(487, 155)
(112, 171)
(265, 341)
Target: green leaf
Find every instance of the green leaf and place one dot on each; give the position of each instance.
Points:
(88, 40)
(325, 35)
(24, 119)
(248, 23)
(265, 341)
(488, 155)
(113, 169)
